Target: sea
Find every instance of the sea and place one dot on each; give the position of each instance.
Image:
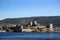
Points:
(29, 36)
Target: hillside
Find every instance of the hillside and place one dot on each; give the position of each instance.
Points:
(42, 20)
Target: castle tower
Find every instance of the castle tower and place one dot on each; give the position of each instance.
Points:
(35, 22)
(31, 23)
(21, 27)
(51, 27)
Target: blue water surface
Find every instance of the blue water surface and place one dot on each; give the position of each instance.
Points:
(29, 36)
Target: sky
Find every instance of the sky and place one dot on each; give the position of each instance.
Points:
(28, 8)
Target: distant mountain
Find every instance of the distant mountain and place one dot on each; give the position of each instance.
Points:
(41, 19)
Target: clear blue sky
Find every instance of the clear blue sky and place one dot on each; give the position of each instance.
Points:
(28, 8)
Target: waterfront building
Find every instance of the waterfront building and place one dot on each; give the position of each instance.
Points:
(1, 30)
(27, 30)
(57, 29)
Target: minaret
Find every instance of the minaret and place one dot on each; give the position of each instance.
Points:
(51, 27)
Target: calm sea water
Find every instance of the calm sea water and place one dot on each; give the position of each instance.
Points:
(29, 36)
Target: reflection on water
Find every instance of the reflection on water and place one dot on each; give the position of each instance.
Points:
(29, 36)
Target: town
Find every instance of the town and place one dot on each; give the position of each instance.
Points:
(31, 27)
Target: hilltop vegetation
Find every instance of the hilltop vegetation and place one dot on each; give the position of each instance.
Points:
(42, 20)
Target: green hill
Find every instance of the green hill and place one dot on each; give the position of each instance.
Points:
(41, 19)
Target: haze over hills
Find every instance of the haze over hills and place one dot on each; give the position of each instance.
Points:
(40, 19)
